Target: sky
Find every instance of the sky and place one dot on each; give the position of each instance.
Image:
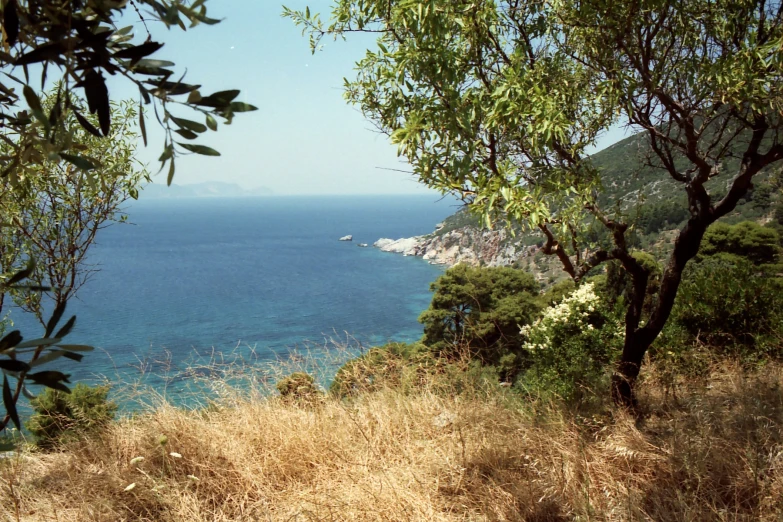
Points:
(304, 139)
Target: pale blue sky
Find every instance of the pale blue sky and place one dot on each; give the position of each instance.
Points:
(304, 139)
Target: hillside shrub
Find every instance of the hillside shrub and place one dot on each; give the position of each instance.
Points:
(299, 387)
(63, 417)
(731, 306)
(746, 239)
(392, 365)
(570, 347)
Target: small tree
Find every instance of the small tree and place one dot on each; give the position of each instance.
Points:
(480, 310)
(55, 222)
(498, 101)
(57, 218)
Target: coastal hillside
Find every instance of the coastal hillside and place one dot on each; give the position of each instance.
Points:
(656, 205)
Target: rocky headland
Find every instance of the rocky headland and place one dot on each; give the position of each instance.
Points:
(469, 244)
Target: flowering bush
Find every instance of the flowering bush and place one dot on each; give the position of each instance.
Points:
(570, 346)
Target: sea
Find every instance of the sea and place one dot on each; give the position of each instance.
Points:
(190, 286)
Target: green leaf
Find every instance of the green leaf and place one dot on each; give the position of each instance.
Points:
(66, 329)
(242, 107)
(136, 53)
(187, 134)
(199, 149)
(76, 347)
(56, 354)
(47, 357)
(55, 318)
(89, 127)
(12, 365)
(35, 105)
(22, 274)
(212, 122)
(97, 94)
(146, 62)
(35, 343)
(50, 379)
(10, 405)
(219, 99)
(73, 356)
(170, 177)
(79, 161)
(189, 124)
(142, 125)
(10, 340)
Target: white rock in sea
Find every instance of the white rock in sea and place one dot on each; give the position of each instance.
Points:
(407, 246)
(346, 238)
(362, 245)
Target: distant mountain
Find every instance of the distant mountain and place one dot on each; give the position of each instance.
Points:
(208, 189)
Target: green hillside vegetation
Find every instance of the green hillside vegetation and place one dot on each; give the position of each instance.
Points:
(653, 205)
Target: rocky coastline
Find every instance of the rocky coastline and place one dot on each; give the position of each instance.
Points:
(470, 245)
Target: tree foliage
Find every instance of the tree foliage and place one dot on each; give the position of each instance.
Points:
(49, 229)
(56, 219)
(480, 310)
(66, 164)
(76, 44)
(499, 102)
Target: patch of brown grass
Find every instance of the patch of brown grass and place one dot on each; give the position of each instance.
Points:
(716, 453)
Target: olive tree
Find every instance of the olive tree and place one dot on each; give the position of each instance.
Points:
(499, 102)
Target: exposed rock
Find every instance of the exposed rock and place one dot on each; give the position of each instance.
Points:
(470, 245)
(346, 238)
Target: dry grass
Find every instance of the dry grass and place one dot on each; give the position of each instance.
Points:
(714, 454)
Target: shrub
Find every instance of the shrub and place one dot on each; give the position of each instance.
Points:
(730, 305)
(747, 239)
(63, 417)
(571, 345)
(391, 365)
(299, 387)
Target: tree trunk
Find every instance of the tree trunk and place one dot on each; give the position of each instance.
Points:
(638, 339)
(627, 371)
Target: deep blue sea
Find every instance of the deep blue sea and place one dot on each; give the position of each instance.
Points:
(258, 276)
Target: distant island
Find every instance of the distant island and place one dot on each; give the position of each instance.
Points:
(208, 189)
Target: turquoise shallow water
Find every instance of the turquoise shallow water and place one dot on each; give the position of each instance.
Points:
(256, 276)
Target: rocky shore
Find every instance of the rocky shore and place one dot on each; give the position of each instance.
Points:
(469, 245)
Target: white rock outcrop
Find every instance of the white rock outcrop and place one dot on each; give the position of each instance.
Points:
(468, 245)
(346, 238)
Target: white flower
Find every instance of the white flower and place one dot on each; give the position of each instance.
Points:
(175, 455)
(130, 487)
(136, 460)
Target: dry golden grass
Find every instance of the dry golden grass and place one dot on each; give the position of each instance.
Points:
(716, 453)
